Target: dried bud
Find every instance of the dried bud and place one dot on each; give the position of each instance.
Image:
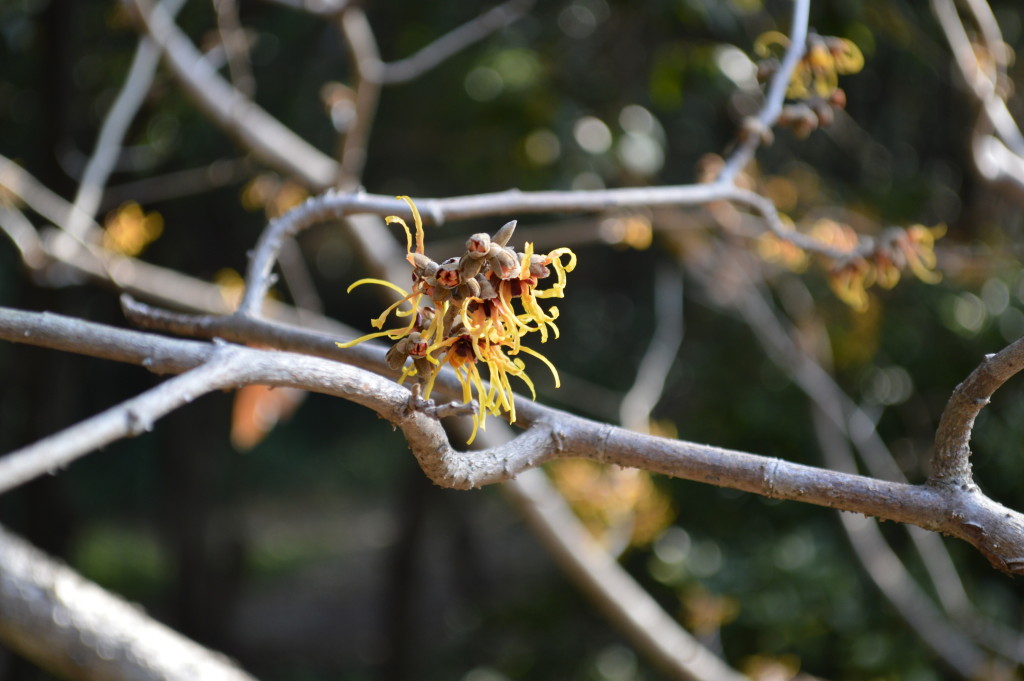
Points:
(469, 287)
(824, 112)
(417, 344)
(766, 68)
(478, 245)
(486, 288)
(470, 265)
(838, 98)
(425, 317)
(539, 266)
(504, 264)
(422, 266)
(502, 236)
(448, 273)
(800, 117)
(397, 354)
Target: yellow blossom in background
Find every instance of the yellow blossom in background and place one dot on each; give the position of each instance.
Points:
(621, 507)
(817, 73)
(773, 249)
(231, 285)
(630, 231)
(835, 235)
(850, 283)
(880, 262)
(128, 230)
(471, 313)
(272, 195)
(918, 247)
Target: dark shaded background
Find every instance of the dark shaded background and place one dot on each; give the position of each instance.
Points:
(323, 553)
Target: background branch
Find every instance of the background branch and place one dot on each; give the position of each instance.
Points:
(73, 628)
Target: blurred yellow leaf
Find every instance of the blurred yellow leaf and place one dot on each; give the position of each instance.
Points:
(128, 230)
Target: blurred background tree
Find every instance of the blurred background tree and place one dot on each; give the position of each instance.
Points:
(323, 552)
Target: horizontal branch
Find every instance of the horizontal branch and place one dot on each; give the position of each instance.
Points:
(332, 205)
(998, 532)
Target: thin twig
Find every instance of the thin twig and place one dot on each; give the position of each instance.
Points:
(998, 157)
(649, 384)
(115, 126)
(845, 417)
(776, 95)
(36, 195)
(128, 419)
(236, 46)
(260, 132)
(365, 57)
(180, 183)
(625, 602)
(321, 7)
(452, 43)
(20, 231)
(891, 576)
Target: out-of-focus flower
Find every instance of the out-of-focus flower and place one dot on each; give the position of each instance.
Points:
(813, 90)
(463, 312)
(835, 235)
(917, 244)
(621, 507)
(850, 282)
(817, 73)
(272, 194)
(128, 230)
(864, 264)
(773, 248)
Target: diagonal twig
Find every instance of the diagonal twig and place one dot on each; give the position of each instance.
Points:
(112, 132)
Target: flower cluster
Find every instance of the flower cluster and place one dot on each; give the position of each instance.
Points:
(881, 264)
(815, 80)
(471, 313)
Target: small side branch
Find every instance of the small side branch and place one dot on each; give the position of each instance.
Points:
(776, 95)
(128, 419)
(452, 43)
(951, 459)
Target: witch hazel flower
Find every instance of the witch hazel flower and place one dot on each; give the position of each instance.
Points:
(471, 313)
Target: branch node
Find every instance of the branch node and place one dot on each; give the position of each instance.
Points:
(437, 411)
(137, 423)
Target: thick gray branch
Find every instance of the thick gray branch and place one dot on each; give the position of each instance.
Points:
(998, 532)
(72, 627)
